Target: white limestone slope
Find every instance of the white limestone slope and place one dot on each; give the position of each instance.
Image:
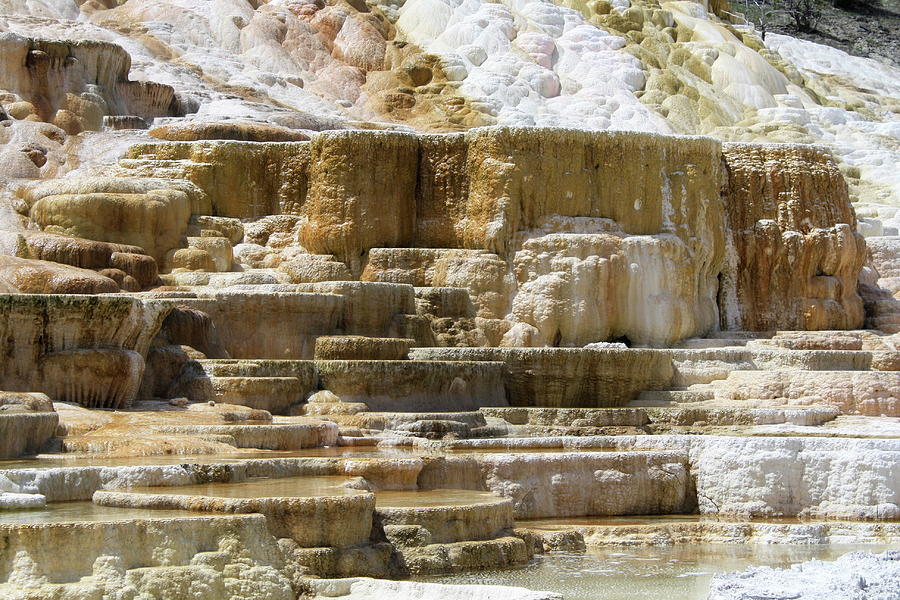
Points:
(866, 138)
(532, 63)
(816, 60)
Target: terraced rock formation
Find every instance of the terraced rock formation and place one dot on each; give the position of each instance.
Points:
(299, 299)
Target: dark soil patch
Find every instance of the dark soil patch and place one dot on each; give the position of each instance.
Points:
(868, 29)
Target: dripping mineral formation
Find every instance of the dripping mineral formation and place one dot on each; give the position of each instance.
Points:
(332, 299)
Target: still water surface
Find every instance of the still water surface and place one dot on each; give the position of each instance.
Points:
(680, 572)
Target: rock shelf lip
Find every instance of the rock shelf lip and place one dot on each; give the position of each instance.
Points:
(256, 457)
(83, 460)
(161, 516)
(254, 488)
(564, 523)
(76, 462)
(394, 500)
(25, 432)
(54, 482)
(84, 512)
(313, 521)
(534, 451)
(428, 500)
(405, 448)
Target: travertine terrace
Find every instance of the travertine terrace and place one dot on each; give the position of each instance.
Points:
(322, 299)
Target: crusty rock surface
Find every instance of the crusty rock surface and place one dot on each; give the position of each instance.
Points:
(795, 259)
(73, 84)
(27, 422)
(142, 213)
(533, 218)
(859, 575)
(226, 130)
(330, 237)
(26, 276)
(87, 349)
(192, 557)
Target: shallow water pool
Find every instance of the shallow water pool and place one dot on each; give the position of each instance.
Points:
(680, 572)
(76, 512)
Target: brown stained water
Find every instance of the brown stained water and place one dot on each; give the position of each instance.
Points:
(680, 572)
(432, 498)
(261, 487)
(69, 512)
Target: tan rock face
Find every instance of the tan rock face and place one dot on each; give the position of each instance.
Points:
(410, 386)
(76, 348)
(207, 226)
(73, 84)
(477, 190)
(369, 309)
(243, 180)
(77, 252)
(22, 402)
(312, 268)
(568, 377)
(212, 254)
(226, 130)
(341, 520)
(361, 348)
(480, 516)
(139, 266)
(210, 552)
(27, 421)
(652, 204)
(154, 218)
(269, 324)
(352, 206)
(194, 328)
(129, 261)
(189, 259)
(794, 258)
(26, 276)
(484, 275)
(93, 377)
(519, 177)
(580, 236)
